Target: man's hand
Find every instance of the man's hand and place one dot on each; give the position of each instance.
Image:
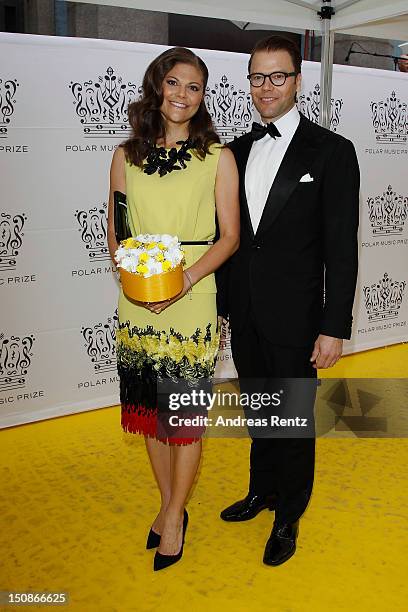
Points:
(327, 351)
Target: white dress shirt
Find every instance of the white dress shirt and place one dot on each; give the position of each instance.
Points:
(263, 164)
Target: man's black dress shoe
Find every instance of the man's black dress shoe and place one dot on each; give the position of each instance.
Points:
(248, 508)
(281, 544)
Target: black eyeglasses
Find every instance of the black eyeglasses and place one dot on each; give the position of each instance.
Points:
(257, 79)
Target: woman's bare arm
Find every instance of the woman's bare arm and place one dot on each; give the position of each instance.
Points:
(227, 203)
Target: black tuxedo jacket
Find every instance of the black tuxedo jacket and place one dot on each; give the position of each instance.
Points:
(298, 271)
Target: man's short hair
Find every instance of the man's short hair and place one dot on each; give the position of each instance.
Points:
(278, 43)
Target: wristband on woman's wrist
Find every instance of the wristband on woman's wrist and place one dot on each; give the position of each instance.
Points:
(190, 281)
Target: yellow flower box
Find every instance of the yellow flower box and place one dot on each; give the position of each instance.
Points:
(156, 288)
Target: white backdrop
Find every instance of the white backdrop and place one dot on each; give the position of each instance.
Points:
(62, 112)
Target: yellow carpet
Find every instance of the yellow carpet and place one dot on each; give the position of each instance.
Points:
(387, 362)
(77, 497)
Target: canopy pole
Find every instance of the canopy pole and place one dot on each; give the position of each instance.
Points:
(326, 65)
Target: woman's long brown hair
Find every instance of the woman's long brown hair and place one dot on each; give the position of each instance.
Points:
(146, 119)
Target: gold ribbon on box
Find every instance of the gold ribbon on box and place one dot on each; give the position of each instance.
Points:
(156, 288)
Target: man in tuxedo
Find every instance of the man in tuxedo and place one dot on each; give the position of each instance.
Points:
(288, 291)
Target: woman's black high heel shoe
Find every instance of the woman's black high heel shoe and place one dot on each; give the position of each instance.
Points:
(153, 540)
(162, 561)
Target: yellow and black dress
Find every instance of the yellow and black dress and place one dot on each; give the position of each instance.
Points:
(182, 341)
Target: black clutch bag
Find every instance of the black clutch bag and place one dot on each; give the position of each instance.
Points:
(122, 229)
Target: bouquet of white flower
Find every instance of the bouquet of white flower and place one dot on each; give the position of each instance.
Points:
(150, 267)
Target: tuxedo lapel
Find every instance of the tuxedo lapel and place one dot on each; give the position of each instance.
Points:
(295, 163)
(242, 160)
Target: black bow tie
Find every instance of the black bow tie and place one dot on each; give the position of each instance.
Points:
(258, 131)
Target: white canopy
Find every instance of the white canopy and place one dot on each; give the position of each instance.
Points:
(375, 18)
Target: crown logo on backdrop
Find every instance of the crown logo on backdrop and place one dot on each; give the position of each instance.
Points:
(11, 239)
(93, 227)
(390, 120)
(100, 344)
(225, 341)
(387, 213)
(15, 359)
(102, 105)
(309, 105)
(384, 298)
(7, 103)
(230, 108)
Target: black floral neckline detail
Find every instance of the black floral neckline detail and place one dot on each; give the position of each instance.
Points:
(163, 161)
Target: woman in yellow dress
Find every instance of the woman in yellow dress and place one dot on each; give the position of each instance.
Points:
(177, 177)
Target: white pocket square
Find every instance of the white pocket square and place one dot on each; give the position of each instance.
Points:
(306, 178)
